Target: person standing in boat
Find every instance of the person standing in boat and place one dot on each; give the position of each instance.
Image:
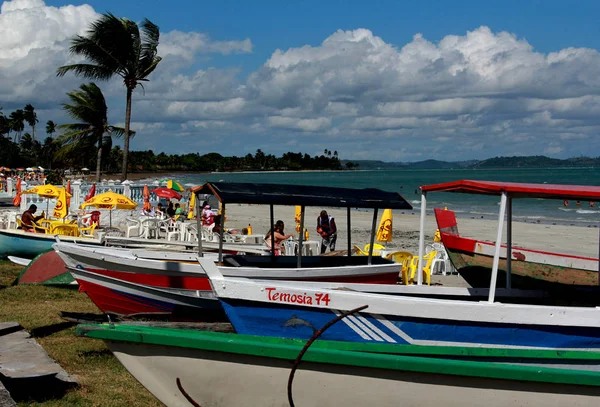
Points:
(328, 230)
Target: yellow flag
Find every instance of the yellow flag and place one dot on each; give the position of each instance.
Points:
(192, 206)
(60, 210)
(384, 232)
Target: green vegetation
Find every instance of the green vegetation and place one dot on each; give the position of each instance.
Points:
(103, 380)
(114, 46)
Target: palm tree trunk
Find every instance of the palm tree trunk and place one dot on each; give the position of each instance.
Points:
(33, 131)
(126, 140)
(98, 162)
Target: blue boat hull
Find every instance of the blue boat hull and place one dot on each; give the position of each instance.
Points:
(29, 245)
(288, 321)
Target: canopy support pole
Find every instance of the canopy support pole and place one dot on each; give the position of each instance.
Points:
(349, 232)
(509, 243)
(198, 225)
(496, 262)
(222, 233)
(421, 237)
(372, 241)
(301, 237)
(272, 231)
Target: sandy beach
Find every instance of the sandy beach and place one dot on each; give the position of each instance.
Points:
(582, 241)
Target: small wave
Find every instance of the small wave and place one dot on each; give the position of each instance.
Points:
(534, 217)
(582, 211)
(566, 209)
(415, 202)
(484, 213)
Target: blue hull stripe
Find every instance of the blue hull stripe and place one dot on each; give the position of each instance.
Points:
(289, 321)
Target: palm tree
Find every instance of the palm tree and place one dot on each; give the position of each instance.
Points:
(17, 123)
(50, 128)
(114, 46)
(30, 117)
(88, 107)
(4, 125)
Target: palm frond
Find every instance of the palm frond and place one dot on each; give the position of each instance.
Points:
(87, 71)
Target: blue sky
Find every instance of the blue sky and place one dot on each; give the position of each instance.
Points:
(397, 81)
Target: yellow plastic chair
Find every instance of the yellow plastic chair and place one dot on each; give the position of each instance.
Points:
(376, 249)
(87, 232)
(38, 228)
(413, 265)
(399, 256)
(359, 251)
(65, 230)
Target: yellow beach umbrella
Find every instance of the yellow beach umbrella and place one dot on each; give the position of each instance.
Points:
(384, 231)
(110, 200)
(192, 206)
(46, 191)
(61, 207)
(297, 216)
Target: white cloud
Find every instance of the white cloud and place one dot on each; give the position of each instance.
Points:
(483, 93)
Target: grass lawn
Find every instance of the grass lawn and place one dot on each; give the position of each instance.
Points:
(103, 380)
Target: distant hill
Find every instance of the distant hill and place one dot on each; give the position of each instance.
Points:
(496, 162)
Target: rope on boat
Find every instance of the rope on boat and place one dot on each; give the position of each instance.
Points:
(307, 345)
(187, 396)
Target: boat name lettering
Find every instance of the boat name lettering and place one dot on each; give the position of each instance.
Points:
(304, 298)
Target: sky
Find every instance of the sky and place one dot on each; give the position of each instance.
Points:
(378, 80)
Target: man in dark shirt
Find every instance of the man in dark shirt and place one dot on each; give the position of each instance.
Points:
(327, 228)
(28, 218)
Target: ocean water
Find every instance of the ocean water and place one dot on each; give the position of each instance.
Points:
(407, 183)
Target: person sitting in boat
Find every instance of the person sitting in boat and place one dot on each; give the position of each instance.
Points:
(207, 216)
(28, 218)
(278, 237)
(328, 230)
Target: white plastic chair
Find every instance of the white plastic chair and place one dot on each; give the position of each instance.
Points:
(134, 227)
(149, 228)
(191, 233)
(12, 220)
(177, 231)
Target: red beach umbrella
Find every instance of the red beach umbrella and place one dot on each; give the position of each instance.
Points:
(91, 193)
(166, 193)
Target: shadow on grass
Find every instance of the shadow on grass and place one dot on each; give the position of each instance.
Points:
(43, 331)
(96, 353)
(37, 389)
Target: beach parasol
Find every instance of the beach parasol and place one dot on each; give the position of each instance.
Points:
(110, 200)
(17, 199)
(62, 207)
(29, 169)
(384, 231)
(19, 169)
(175, 186)
(85, 169)
(46, 191)
(297, 217)
(91, 192)
(146, 198)
(166, 193)
(192, 206)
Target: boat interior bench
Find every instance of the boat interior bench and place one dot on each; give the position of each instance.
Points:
(307, 262)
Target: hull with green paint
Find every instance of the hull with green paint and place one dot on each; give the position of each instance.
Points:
(228, 369)
(47, 269)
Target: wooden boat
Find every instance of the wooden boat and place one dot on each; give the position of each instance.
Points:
(282, 309)
(28, 245)
(208, 365)
(139, 286)
(530, 268)
(565, 276)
